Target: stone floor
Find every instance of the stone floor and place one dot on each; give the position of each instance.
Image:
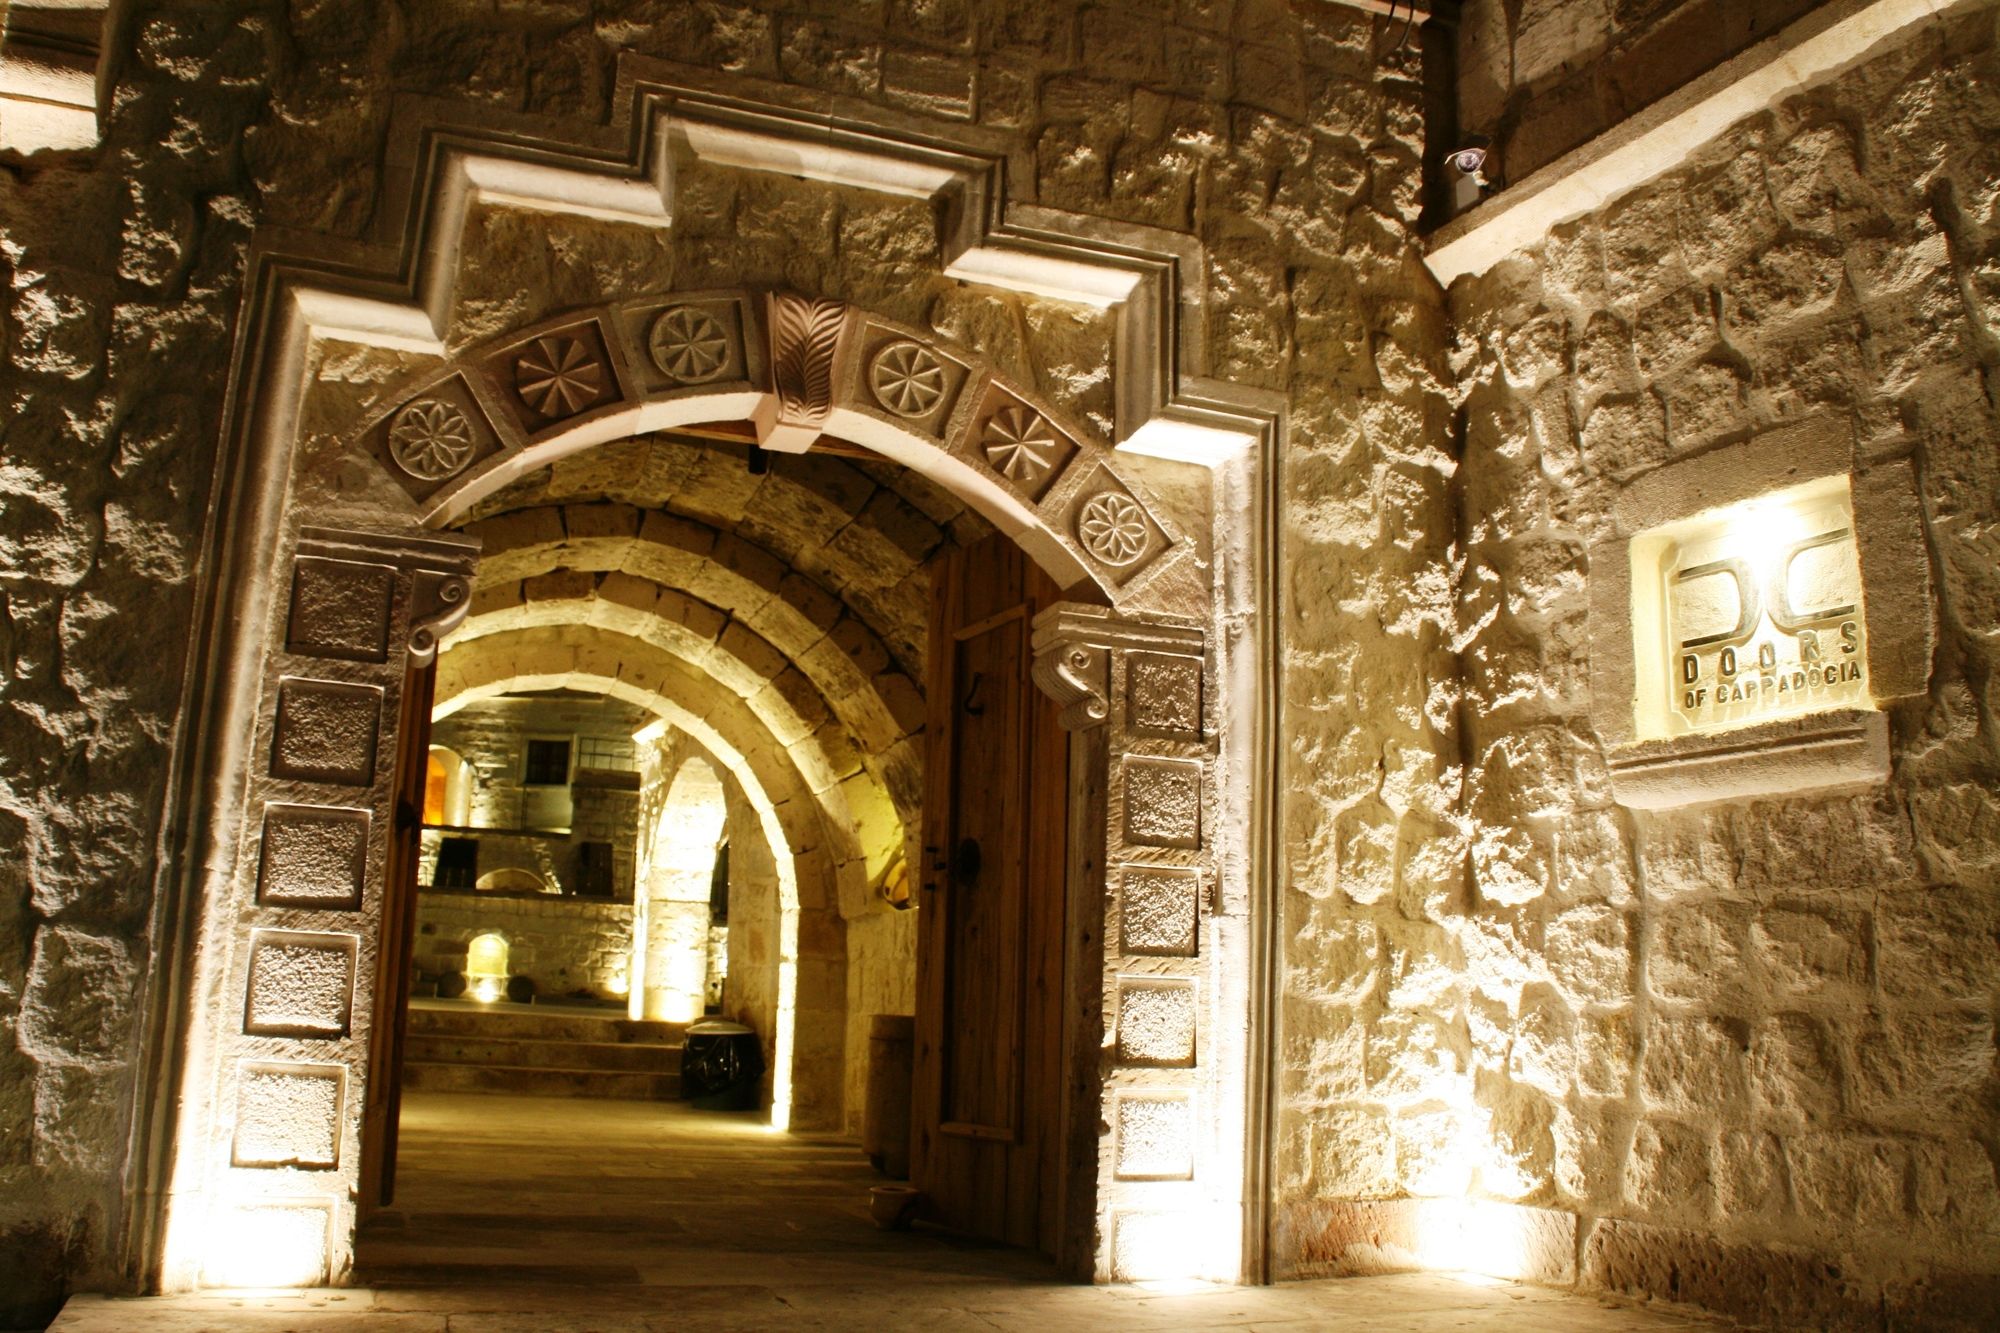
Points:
(536, 1215)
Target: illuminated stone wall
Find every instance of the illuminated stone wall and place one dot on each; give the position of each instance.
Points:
(563, 945)
(492, 737)
(1737, 1039)
(1495, 981)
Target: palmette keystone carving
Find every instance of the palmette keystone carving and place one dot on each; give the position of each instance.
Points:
(804, 335)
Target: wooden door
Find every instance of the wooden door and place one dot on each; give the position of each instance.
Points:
(383, 1108)
(987, 1100)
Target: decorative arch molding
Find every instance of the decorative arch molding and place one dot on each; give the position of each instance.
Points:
(796, 368)
(261, 699)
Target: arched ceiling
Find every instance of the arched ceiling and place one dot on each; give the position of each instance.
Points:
(863, 531)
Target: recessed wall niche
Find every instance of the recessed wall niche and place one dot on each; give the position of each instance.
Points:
(1754, 612)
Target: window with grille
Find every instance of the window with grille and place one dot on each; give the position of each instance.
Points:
(547, 764)
(610, 754)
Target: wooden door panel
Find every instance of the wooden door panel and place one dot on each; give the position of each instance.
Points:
(382, 1111)
(983, 911)
(987, 1097)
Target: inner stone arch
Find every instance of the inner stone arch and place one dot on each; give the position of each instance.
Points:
(677, 866)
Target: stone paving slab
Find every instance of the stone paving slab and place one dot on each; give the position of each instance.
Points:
(1409, 1303)
(539, 1215)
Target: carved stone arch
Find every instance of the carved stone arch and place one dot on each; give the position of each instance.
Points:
(307, 639)
(630, 583)
(796, 368)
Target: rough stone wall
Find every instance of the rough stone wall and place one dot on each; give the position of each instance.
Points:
(750, 991)
(1537, 78)
(121, 271)
(1285, 137)
(881, 979)
(1734, 1039)
(562, 944)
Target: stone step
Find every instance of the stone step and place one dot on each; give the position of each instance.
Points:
(625, 1085)
(528, 1023)
(540, 1053)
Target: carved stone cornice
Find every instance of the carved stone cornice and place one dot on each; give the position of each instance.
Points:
(1074, 645)
(440, 570)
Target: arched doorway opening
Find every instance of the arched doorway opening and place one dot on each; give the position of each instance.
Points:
(1124, 651)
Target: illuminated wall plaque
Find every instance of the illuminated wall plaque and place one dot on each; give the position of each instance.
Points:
(1750, 613)
(1750, 630)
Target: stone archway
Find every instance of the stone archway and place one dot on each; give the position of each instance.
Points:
(279, 1052)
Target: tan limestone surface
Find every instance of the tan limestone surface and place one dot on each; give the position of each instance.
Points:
(652, 1216)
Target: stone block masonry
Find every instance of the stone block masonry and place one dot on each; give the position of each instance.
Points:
(1736, 1038)
(1735, 1045)
(563, 945)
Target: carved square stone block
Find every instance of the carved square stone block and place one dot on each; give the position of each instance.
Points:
(1157, 910)
(1014, 440)
(1155, 1137)
(905, 381)
(313, 856)
(326, 731)
(1113, 528)
(300, 984)
(1145, 1246)
(1163, 694)
(340, 608)
(289, 1115)
(1156, 1023)
(549, 377)
(686, 344)
(1162, 802)
(433, 438)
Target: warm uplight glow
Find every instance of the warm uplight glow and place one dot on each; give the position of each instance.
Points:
(618, 983)
(1176, 1251)
(275, 1247)
(1749, 613)
(486, 960)
(1472, 1236)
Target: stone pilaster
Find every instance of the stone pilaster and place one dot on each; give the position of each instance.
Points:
(294, 979)
(1168, 1180)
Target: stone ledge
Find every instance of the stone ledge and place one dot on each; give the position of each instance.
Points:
(48, 75)
(1788, 1287)
(1362, 1238)
(1840, 748)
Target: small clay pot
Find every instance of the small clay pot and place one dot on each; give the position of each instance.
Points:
(893, 1206)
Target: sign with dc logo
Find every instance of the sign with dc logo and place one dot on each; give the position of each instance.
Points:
(1762, 610)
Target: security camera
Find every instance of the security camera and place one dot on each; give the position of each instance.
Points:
(1470, 160)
